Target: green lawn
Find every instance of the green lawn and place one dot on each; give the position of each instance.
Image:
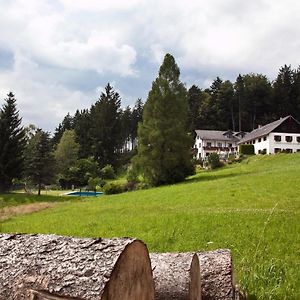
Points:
(252, 208)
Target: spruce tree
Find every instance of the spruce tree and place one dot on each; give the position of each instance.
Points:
(39, 160)
(12, 143)
(164, 147)
(106, 128)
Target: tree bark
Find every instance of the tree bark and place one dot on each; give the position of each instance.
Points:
(217, 275)
(39, 267)
(176, 276)
(172, 278)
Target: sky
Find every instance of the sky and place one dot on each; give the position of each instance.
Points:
(57, 56)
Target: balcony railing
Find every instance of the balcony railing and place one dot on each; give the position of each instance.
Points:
(225, 149)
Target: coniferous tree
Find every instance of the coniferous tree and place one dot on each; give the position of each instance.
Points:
(66, 124)
(282, 92)
(164, 147)
(137, 116)
(106, 128)
(39, 160)
(12, 143)
(82, 126)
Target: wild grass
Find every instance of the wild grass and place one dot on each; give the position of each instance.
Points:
(252, 208)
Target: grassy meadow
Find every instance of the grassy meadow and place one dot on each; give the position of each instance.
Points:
(252, 208)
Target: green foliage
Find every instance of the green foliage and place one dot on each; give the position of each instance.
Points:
(108, 172)
(106, 132)
(246, 149)
(12, 143)
(253, 202)
(113, 188)
(164, 146)
(79, 173)
(39, 160)
(93, 183)
(214, 160)
(66, 152)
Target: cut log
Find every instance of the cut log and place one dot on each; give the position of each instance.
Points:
(176, 276)
(217, 275)
(55, 267)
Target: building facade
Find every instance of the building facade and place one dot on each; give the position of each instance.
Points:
(280, 135)
(222, 142)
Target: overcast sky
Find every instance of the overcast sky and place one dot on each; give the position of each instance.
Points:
(57, 55)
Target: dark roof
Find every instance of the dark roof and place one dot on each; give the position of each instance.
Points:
(217, 135)
(264, 130)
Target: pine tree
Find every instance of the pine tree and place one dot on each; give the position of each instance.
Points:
(164, 147)
(39, 159)
(106, 127)
(12, 143)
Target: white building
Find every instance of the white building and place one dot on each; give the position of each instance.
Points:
(280, 135)
(221, 142)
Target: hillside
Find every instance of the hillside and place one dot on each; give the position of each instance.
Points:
(253, 208)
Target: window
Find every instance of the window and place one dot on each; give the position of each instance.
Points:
(199, 145)
(259, 140)
(219, 145)
(277, 150)
(265, 138)
(289, 150)
(208, 144)
(229, 145)
(277, 138)
(288, 138)
(298, 139)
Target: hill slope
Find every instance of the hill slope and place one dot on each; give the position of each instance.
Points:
(253, 208)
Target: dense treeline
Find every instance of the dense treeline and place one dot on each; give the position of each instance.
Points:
(95, 141)
(242, 105)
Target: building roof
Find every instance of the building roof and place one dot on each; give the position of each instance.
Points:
(264, 130)
(218, 135)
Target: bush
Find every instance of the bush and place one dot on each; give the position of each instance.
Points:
(113, 188)
(93, 183)
(108, 172)
(246, 149)
(214, 160)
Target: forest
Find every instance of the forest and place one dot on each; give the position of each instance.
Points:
(104, 136)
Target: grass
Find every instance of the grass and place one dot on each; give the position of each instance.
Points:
(252, 208)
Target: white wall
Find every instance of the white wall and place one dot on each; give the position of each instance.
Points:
(270, 144)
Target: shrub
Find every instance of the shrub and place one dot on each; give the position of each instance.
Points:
(108, 172)
(246, 149)
(214, 160)
(93, 183)
(113, 188)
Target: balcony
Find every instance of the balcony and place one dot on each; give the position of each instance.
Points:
(223, 149)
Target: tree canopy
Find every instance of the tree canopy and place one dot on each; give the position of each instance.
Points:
(164, 154)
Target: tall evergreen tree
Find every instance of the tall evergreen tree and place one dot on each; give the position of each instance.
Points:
(12, 143)
(66, 124)
(164, 147)
(137, 116)
(282, 92)
(39, 159)
(82, 126)
(240, 95)
(106, 127)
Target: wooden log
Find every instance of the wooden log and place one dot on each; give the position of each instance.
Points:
(217, 275)
(39, 267)
(176, 276)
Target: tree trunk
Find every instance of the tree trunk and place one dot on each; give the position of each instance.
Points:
(176, 276)
(173, 273)
(55, 267)
(216, 275)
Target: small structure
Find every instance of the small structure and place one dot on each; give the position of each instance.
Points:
(280, 135)
(222, 142)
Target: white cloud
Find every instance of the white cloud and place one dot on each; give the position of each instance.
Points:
(114, 37)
